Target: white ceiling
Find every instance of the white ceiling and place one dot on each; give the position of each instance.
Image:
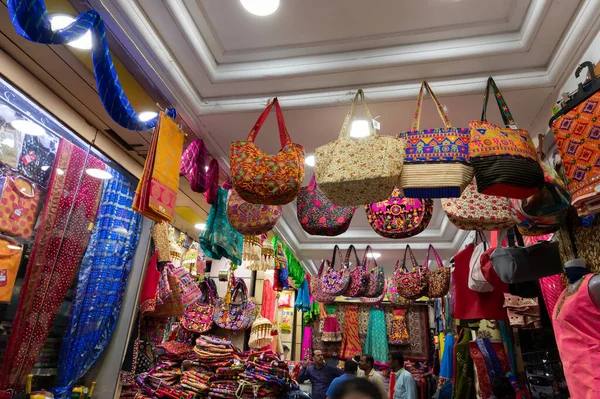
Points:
(219, 65)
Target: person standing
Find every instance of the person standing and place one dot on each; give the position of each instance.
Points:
(350, 368)
(319, 374)
(406, 387)
(367, 364)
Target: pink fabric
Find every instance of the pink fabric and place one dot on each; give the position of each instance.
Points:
(577, 331)
(268, 301)
(306, 343)
(150, 286)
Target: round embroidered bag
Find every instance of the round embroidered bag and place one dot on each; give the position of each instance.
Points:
(412, 284)
(251, 219)
(399, 217)
(235, 315)
(438, 280)
(359, 278)
(335, 282)
(392, 282)
(198, 317)
(376, 275)
(316, 286)
(377, 299)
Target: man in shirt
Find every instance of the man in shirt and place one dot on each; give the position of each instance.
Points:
(405, 388)
(366, 364)
(350, 368)
(320, 375)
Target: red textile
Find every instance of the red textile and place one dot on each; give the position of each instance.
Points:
(268, 301)
(150, 285)
(62, 237)
(471, 304)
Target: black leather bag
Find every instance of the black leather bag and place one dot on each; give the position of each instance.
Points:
(526, 263)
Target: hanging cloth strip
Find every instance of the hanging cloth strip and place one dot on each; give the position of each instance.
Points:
(101, 283)
(376, 343)
(63, 234)
(32, 21)
(350, 338)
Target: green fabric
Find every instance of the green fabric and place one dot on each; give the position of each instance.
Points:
(376, 343)
(330, 308)
(295, 270)
(465, 374)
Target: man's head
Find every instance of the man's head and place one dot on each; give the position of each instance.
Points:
(350, 367)
(318, 358)
(396, 361)
(366, 362)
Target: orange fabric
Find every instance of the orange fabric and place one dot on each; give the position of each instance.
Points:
(10, 258)
(18, 206)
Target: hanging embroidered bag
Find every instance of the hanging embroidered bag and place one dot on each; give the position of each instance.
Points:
(318, 215)
(504, 159)
(198, 317)
(437, 160)
(357, 172)
(377, 299)
(399, 217)
(438, 280)
(316, 285)
(335, 282)
(475, 211)
(170, 300)
(359, 278)
(193, 163)
(392, 287)
(376, 274)
(477, 280)
(251, 219)
(18, 206)
(267, 179)
(412, 284)
(235, 315)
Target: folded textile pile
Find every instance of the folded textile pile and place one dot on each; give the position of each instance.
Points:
(263, 376)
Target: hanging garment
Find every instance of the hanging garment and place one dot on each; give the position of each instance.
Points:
(376, 343)
(447, 366)
(469, 304)
(63, 234)
(302, 301)
(331, 328)
(351, 341)
(306, 348)
(463, 369)
(267, 309)
(101, 283)
(399, 328)
(577, 331)
(10, 259)
(490, 361)
(37, 158)
(150, 286)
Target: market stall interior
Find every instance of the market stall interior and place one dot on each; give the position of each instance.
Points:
(238, 198)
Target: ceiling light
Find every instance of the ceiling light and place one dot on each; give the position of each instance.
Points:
(147, 115)
(200, 226)
(310, 160)
(374, 255)
(10, 246)
(360, 128)
(98, 173)
(61, 21)
(262, 8)
(28, 127)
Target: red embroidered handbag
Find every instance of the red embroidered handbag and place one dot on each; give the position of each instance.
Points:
(438, 280)
(335, 282)
(412, 284)
(376, 275)
(198, 317)
(267, 179)
(316, 286)
(392, 282)
(359, 279)
(251, 219)
(399, 217)
(319, 216)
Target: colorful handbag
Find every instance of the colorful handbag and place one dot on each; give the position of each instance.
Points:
(412, 284)
(198, 317)
(316, 285)
(399, 217)
(437, 160)
(37, 158)
(336, 282)
(11, 143)
(504, 159)
(376, 275)
(438, 280)
(475, 211)
(267, 179)
(392, 283)
(251, 219)
(193, 162)
(357, 172)
(543, 212)
(377, 299)
(18, 206)
(176, 291)
(235, 315)
(318, 215)
(477, 280)
(359, 278)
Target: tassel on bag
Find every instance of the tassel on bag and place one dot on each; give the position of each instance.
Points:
(193, 162)
(252, 249)
(212, 180)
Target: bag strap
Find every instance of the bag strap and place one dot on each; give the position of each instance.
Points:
(412, 258)
(366, 261)
(437, 257)
(13, 182)
(322, 267)
(205, 288)
(336, 250)
(240, 287)
(313, 183)
(351, 248)
(480, 238)
(440, 108)
(504, 111)
(344, 134)
(284, 136)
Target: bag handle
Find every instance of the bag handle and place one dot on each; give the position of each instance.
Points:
(13, 182)
(480, 238)
(336, 250)
(440, 108)
(323, 266)
(313, 183)
(366, 261)
(351, 248)
(284, 136)
(240, 287)
(437, 257)
(205, 288)
(507, 117)
(344, 134)
(412, 258)
(510, 235)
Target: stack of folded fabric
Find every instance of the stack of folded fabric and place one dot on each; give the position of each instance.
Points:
(224, 383)
(264, 376)
(196, 381)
